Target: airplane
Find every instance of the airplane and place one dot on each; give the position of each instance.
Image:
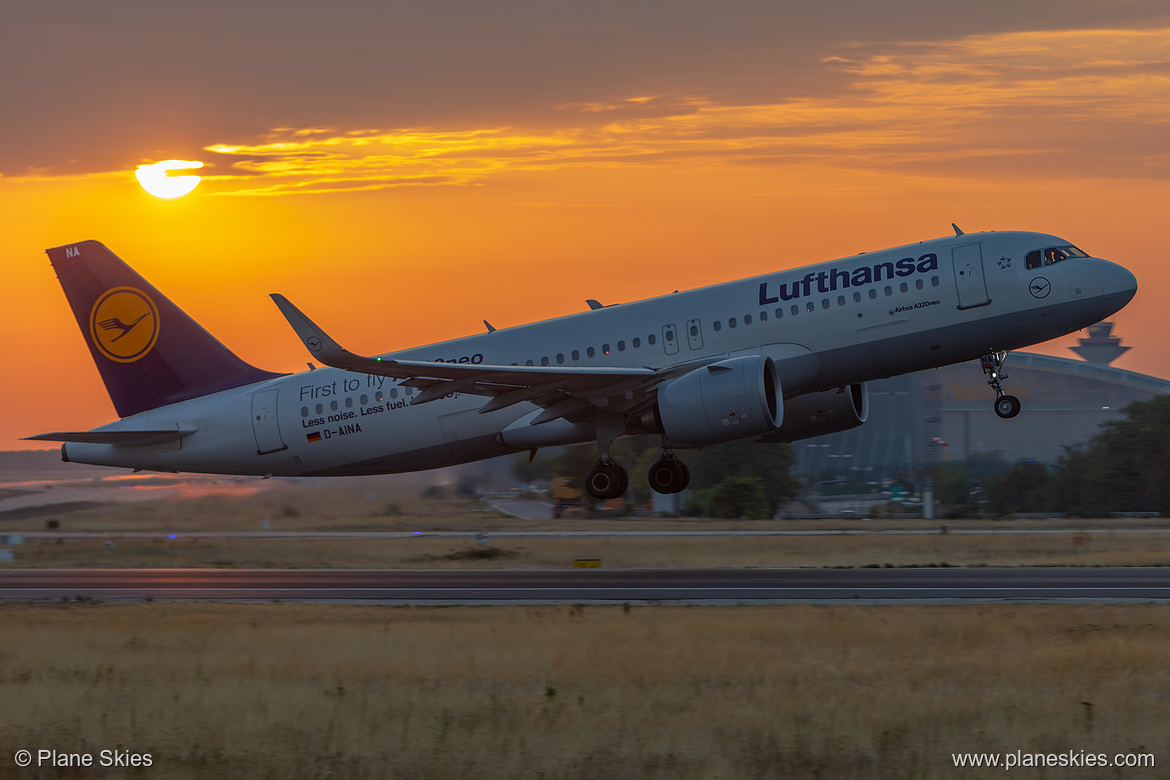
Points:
(778, 358)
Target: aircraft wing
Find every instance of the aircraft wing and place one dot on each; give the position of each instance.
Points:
(571, 393)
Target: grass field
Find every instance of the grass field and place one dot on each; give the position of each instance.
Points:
(378, 505)
(1078, 549)
(298, 691)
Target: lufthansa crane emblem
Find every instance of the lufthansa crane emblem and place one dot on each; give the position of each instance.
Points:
(123, 324)
(1039, 287)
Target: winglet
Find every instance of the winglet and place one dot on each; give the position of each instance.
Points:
(316, 340)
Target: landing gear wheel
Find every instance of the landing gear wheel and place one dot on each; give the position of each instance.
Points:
(1007, 406)
(606, 481)
(669, 475)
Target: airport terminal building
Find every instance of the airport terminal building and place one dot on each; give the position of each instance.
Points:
(946, 414)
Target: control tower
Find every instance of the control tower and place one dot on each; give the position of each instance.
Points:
(1100, 347)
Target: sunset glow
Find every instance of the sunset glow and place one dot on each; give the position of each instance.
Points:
(405, 196)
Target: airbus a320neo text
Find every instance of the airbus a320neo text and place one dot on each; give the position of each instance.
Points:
(776, 358)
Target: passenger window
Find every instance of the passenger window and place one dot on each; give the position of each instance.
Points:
(779, 313)
(621, 346)
(810, 306)
(379, 397)
(824, 303)
(905, 287)
(637, 342)
(857, 297)
(840, 300)
(528, 362)
(747, 319)
(544, 360)
(650, 339)
(393, 392)
(795, 310)
(872, 293)
(590, 352)
(918, 284)
(934, 281)
(717, 325)
(560, 357)
(763, 316)
(333, 406)
(349, 402)
(320, 409)
(576, 355)
(889, 290)
(731, 323)
(365, 399)
(304, 411)
(605, 349)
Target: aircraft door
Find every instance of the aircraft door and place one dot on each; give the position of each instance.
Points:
(264, 423)
(694, 334)
(670, 339)
(969, 279)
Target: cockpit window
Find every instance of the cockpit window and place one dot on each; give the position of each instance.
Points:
(1052, 254)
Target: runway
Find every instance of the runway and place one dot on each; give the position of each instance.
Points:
(598, 586)
(52, 536)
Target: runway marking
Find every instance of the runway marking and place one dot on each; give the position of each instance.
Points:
(851, 588)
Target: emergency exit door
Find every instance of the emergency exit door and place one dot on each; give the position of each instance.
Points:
(264, 423)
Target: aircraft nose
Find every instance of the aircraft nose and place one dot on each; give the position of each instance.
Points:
(1117, 280)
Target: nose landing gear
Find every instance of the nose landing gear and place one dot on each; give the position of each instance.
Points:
(1006, 406)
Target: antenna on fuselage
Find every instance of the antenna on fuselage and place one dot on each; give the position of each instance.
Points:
(957, 231)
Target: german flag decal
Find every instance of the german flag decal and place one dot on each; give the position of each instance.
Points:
(313, 436)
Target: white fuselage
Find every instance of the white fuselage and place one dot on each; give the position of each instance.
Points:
(845, 321)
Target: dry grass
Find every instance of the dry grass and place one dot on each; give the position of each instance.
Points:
(1080, 549)
(290, 691)
(388, 504)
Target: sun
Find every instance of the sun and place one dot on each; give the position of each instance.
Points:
(154, 178)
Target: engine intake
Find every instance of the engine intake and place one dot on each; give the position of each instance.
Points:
(731, 399)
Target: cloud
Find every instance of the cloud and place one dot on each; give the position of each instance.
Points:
(1052, 104)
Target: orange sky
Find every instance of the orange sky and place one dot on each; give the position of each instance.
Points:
(399, 226)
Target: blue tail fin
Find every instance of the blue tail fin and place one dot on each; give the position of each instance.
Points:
(148, 351)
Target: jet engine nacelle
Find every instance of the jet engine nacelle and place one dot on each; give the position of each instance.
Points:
(731, 399)
(815, 414)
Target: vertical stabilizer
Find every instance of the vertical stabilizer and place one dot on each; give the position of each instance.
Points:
(148, 351)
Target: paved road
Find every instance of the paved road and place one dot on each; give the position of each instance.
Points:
(473, 535)
(525, 510)
(598, 586)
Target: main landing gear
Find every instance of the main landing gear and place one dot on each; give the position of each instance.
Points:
(669, 475)
(608, 480)
(1006, 406)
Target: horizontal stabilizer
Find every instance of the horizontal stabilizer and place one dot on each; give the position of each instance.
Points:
(123, 438)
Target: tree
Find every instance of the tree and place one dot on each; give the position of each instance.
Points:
(769, 463)
(740, 497)
(1022, 488)
(1124, 468)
